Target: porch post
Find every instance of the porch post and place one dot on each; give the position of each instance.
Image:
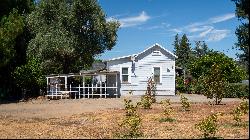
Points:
(47, 78)
(66, 82)
(116, 85)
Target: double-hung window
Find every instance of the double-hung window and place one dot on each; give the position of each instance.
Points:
(157, 74)
(125, 75)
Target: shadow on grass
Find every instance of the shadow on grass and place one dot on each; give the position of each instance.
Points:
(213, 138)
(8, 101)
(166, 120)
(233, 125)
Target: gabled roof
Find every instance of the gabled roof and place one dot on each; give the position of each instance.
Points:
(135, 55)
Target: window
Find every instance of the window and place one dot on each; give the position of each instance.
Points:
(157, 74)
(125, 75)
(156, 53)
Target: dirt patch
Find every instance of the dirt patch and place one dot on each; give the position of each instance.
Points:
(99, 118)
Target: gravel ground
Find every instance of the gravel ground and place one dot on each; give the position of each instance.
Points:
(43, 108)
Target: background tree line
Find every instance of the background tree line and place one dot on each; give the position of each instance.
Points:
(211, 72)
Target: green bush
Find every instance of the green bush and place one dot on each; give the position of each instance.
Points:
(237, 90)
(146, 101)
(208, 126)
(185, 104)
(130, 108)
(197, 87)
(130, 126)
(167, 109)
(180, 84)
(239, 111)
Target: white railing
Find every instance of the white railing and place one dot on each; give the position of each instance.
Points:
(88, 91)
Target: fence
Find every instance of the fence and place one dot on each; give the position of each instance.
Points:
(100, 90)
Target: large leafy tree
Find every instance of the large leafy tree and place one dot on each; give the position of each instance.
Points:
(228, 68)
(14, 38)
(213, 72)
(242, 31)
(69, 34)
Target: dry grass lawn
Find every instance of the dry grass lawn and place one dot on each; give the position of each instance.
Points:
(104, 124)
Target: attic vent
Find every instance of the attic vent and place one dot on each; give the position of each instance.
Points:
(156, 53)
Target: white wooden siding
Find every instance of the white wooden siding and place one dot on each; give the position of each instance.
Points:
(143, 70)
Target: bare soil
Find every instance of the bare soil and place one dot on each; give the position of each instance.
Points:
(99, 118)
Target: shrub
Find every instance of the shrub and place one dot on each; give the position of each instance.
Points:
(237, 90)
(180, 84)
(151, 89)
(132, 122)
(146, 101)
(240, 111)
(130, 108)
(131, 127)
(185, 104)
(208, 126)
(167, 109)
(149, 97)
(197, 87)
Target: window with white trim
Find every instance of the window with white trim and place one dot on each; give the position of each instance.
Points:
(157, 74)
(125, 75)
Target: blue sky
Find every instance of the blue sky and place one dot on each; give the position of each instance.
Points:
(146, 22)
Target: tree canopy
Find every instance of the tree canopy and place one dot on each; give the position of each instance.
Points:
(227, 67)
(242, 31)
(69, 34)
(182, 49)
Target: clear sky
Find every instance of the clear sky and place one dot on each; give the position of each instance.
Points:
(146, 22)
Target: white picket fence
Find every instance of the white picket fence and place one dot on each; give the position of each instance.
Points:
(88, 91)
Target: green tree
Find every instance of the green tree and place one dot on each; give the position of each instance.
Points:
(200, 49)
(11, 27)
(30, 77)
(242, 31)
(69, 34)
(14, 37)
(230, 70)
(214, 85)
(213, 72)
(183, 51)
(176, 45)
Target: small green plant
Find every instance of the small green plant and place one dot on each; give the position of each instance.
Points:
(208, 126)
(146, 101)
(244, 107)
(149, 98)
(167, 109)
(151, 89)
(185, 104)
(131, 127)
(131, 124)
(130, 108)
(239, 111)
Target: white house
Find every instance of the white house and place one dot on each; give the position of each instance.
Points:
(134, 71)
